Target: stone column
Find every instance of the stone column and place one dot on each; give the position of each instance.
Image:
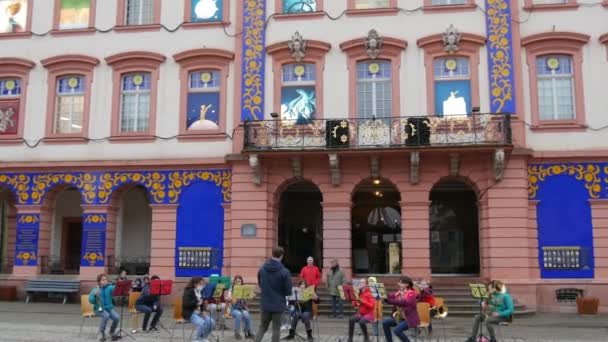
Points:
(227, 243)
(28, 235)
(162, 258)
(337, 236)
(96, 247)
(533, 239)
(599, 217)
(415, 239)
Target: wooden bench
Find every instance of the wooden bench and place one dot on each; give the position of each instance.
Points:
(65, 287)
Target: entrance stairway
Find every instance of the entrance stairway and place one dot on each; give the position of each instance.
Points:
(456, 295)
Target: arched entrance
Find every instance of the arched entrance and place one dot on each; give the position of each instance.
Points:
(7, 230)
(66, 234)
(376, 228)
(133, 232)
(454, 227)
(300, 225)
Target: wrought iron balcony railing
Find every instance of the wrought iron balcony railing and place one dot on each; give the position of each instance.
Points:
(419, 131)
(52, 264)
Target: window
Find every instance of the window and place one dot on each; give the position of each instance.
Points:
(135, 80)
(14, 16)
(555, 64)
(298, 92)
(10, 94)
(206, 10)
(448, 2)
(69, 83)
(139, 12)
(299, 6)
(203, 100)
(69, 109)
(135, 102)
(555, 87)
(75, 14)
(548, 2)
(374, 90)
(203, 93)
(370, 4)
(548, 5)
(452, 82)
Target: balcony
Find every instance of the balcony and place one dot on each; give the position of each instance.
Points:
(412, 132)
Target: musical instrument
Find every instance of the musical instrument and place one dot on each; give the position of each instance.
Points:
(440, 310)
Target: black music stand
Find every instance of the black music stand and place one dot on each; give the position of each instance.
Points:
(378, 296)
(121, 289)
(295, 297)
(161, 288)
(480, 292)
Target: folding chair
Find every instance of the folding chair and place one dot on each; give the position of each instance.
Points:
(315, 320)
(133, 296)
(440, 302)
(87, 311)
(424, 313)
(179, 320)
(500, 326)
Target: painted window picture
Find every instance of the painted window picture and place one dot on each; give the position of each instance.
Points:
(203, 101)
(13, 16)
(369, 4)
(74, 14)
(298, 93)
(452, 86)
(299, 6)
(207, 10)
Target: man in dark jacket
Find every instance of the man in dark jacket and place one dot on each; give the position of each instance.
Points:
(275, 283)
(148, 303)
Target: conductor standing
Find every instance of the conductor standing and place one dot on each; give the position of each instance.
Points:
(275, 284)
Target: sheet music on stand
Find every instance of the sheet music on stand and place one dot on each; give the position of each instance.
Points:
(348, 293)
(307, 294)
(378, 290)
(479, 291)
(161, 287)
(219, 290)
(243, 292)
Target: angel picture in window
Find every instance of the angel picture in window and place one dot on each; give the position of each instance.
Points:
(14, 16)
(454, 105)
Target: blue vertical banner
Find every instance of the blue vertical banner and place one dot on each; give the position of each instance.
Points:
(26, 248)
(93, 239)
(501, 67)
(254, 52)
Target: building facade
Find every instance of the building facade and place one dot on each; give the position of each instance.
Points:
(440, 139)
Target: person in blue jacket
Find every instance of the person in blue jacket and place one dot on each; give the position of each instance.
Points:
(147, 304)
(499, 308)
(101, 298)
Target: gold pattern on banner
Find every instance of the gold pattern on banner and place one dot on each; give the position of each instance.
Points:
(500, 81)
(178, 180)
(21, 185)
(254, 27)
(26, 257)
(44, 182)
(589, 174)
(95, 218)
(93, 257)
(29, 219)
(153, 181)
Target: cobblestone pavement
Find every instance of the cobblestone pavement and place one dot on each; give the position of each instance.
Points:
(55, 322)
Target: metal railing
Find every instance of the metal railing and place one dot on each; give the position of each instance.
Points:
(6, 265)
(198, 257)
(52, 264)
(139, 265)
(399, 132)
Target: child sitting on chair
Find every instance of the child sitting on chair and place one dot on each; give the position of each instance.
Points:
(194, 309)
(499, 308)
(101, 298)
(239, 311)
(425, 295)
(303, 310)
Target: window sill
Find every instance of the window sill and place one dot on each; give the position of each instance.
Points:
(372, 12)
(11, 140)
(202, 137)
(551, 7)
(65, 139)
(73, 32)
(559, 127)
(137, 28)
(299, 16)
(15, 35)
(131, 138)
(449, 8)
(192, 25)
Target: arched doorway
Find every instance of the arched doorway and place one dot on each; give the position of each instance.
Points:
(133, 232)
(300, 225)
(7, 230)
(376, 228)
(66, 234)
(454, 227)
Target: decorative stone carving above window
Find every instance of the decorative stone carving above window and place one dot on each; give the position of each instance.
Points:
(297, 46)
(451, 40)
(373, 44)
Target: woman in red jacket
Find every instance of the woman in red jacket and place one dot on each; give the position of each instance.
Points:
(366, 311)
(310, 273)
